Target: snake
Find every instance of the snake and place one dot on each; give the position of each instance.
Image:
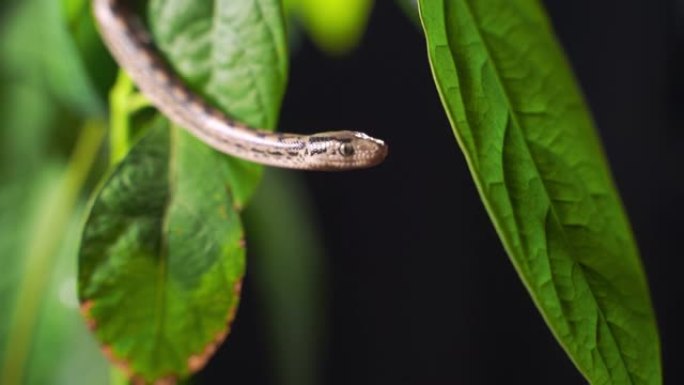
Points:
(132, 47)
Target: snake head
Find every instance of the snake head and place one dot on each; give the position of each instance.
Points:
(345, 150)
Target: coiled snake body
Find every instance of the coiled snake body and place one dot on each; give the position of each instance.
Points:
(132, 47)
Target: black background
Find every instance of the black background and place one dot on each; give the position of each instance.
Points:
(421, 289)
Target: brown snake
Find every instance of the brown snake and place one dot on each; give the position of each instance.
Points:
(132, 47)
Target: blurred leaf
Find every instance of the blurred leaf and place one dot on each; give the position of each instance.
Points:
(289, 274)
(20, 202)
(42, 331)
(534, 154)
(410, 8)
(27, 116)
(27, 113)
(37, 48)
(5, 8)
(75, 9)
(38, 115)
(97, 63)
(163, 256)
(60, 350)
(161, 260)
(64, 352)
(336, 26)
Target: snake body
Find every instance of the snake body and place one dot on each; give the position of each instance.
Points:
(133, 48)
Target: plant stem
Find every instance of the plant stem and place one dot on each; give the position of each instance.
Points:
(124, 101)
(118, 125)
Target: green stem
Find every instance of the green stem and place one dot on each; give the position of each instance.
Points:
(124, 102)
(118, 124)
(47, 232)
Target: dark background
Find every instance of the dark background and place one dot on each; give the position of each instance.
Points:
(421, 289)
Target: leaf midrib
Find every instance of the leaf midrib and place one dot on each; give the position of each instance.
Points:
(162, 277)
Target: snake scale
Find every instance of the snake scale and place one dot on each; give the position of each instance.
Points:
(132, 47)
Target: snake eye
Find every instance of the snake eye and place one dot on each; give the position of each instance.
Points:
(346, 149)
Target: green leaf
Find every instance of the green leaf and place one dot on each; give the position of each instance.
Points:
(531, 146)
(97, 63)
(37, 48)
(289, 274)
(335, 26)
(163, 252)
(233, 53)
(42, 334)
(162, 260)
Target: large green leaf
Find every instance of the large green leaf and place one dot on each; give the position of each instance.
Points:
(232, 52)
(161, 259)
(162, 255)
(534, 154)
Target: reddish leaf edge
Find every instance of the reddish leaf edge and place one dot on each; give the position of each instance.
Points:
(195, 362)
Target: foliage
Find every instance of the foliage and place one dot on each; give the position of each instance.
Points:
(335, 26)
(56, 96)
(162, 254)
(47, 153)
(534, 154)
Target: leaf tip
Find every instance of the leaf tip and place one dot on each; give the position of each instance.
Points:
(135, 378)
